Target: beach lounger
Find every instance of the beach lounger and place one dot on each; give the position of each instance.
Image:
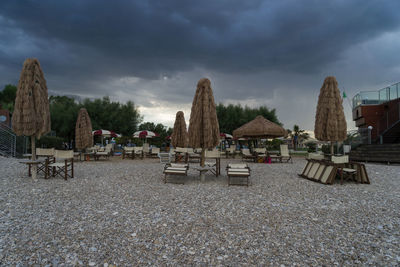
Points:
(238, 171)
(246, 155)
(174, 169)
(165, 157)
(64, 162)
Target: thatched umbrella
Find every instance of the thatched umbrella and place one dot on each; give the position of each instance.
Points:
(330, 122)
(179, 137)
(31, 116)
(203, 123)
(83, 130)
(260, 127)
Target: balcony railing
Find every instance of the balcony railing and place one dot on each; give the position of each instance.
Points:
(377, 97)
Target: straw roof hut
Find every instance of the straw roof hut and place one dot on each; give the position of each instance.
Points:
(203, 123)
(83, 130)
(330, 122)
(31, 115)
(179, 137)
(260, 127)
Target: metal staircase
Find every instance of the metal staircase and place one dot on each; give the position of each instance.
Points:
(8, 141)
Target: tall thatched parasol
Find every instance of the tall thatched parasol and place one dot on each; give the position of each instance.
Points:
(330, 122)
(83, 130)
(31, 115)
(203, 123)
(179, 137)
(260, 127)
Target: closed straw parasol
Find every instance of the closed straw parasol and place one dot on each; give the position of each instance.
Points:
(203, 123)
(179, 137)
(83, 130)
(31, 115)
(330, 122)
(260, 127)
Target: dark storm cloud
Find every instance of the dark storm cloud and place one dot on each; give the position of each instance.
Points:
(152, 38)
(257, 52)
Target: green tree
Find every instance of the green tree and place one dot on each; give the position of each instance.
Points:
(7, 97)
(231, 117)
(114, 116)
(63, 114)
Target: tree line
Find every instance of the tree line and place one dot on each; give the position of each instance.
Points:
(125, 118)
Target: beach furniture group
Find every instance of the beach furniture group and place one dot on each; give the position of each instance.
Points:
(325, 169)
(52, 162)
(262, 155)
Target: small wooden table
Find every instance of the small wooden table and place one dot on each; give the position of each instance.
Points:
(41, 163)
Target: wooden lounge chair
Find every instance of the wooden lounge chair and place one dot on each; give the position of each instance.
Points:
(175, 169)
(127, 152)
(64, 162)
(246, 155)
(238, 171)
(285, 153)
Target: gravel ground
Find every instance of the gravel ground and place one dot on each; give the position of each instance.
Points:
(119, 212)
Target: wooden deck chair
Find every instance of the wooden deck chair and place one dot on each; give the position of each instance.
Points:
(341, 162)
(64, 162)
(181, 154)
(154, 152)
(215, 166)
(47, 153)
(105, 154)
(285, 153)
(246, 155)
(146, 149)
(165, 157)
(138, 152)
(231, 151)
(193, 156)
(127, 152)
(238, 171)
(174, 169)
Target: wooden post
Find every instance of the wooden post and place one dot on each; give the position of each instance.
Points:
(34, 167)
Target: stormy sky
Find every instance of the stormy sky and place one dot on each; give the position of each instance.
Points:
(273, 53)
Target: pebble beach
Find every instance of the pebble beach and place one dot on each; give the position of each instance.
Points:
(120, 212)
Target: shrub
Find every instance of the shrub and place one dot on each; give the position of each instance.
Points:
(50, 141)
(311, 147)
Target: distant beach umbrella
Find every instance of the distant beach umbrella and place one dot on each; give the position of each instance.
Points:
(31, 116)
(179, 137)
(226, 136)
(145, 134)
(330, 122)
(260, 127)
(104, 133)
(203, 123)
(83, 130)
